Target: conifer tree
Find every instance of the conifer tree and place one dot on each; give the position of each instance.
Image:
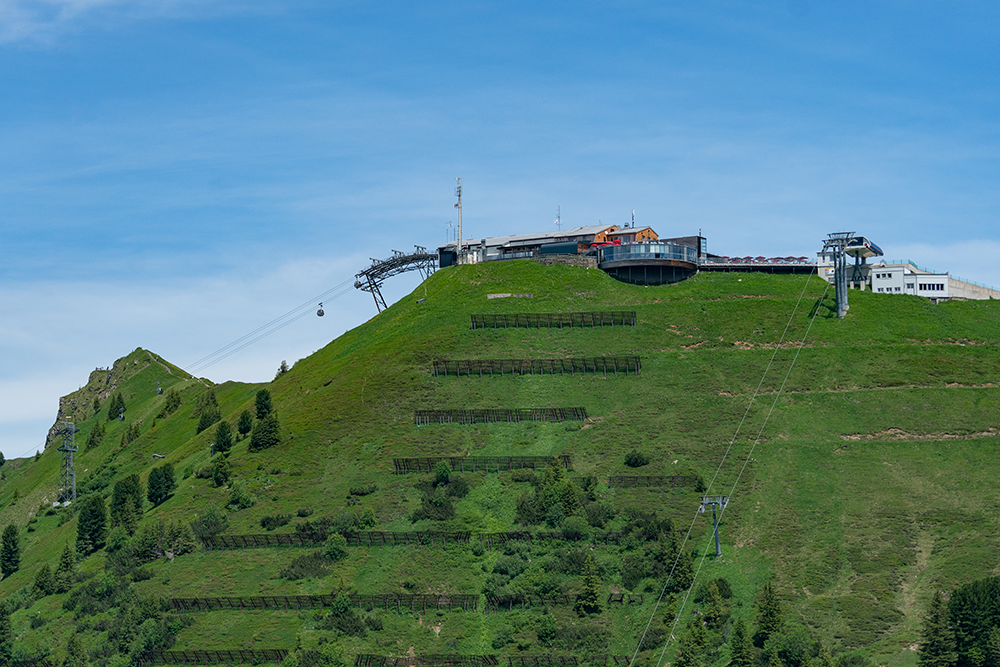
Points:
(223, 438)
(569, 499)
(993, 648)
(740, 647)
(769, 617)
(589, 599)
(683, 571)
(716, 609)
(263, 403)
(693, 644)
(95, 436)
(76, 654)
(10, 550)
(126, 503)
(937, 646)
(161, 484)
(66, 571)
(44, 583)
(245, 424)
(266, 433)
(6, 636)
(92, 527)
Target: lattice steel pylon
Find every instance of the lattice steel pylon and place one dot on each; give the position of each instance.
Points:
(67, 477)
(371, 279)
(715, 501)
(837, 242)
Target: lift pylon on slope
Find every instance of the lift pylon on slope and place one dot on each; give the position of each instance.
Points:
(371, 279)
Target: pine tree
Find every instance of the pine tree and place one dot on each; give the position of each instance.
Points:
(569, 499)
(44, 583)
(161, 484)
(245, 423)
(97, 404)
(589, 599)
(66, 571)
(993, 648)
(716, 609)
(95, 436)
(769, 617)
(126, 503)
(10, 551)
(223, 438)
(6, 636)
(266, 433)
(937, 646)
(683, 571)
(92, 527)
(693, 644)
(263, 403)
(740, 647)
(76, 655)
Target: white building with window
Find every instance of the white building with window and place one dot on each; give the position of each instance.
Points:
(909, 279)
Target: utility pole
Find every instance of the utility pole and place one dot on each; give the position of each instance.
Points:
(458, 205)
(67, 477)
(836, 243)
(715, 501)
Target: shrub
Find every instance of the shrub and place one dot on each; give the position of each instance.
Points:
(364, 489)
(303, 512)
(373, 623)
(221, 471)
(335, 548)
(274, 521)
(240, 498)
(311, 565)
(524, 475)
(209, 524)
(636, 459)
(266, 433)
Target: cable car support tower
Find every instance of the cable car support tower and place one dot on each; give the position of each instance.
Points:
(67, 477)
(836, 243)
(371, 279)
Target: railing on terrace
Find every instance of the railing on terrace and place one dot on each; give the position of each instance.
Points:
(638, 251)
(756, 261)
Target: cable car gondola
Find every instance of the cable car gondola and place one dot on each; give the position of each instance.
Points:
(320, 311)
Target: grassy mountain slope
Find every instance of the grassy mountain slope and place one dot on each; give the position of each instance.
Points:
(870, 486)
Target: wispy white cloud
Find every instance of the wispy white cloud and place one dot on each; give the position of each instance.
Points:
(49, 352)
(44, 21)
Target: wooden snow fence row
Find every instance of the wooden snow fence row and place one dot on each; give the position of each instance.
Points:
(558, 320)
(413, 538)
(386, 602)
(253, 657)
(420, 464)
(548, 660)
(629, 364)
(265, 540)
(496, 415)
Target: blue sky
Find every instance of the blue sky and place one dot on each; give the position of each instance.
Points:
(175, 174)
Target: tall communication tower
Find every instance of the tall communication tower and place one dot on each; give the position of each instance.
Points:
(67, 478)
(458, 205)
(836, 243)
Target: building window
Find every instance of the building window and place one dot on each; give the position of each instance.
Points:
(897, 289)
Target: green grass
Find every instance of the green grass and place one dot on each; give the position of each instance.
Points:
(870, 487)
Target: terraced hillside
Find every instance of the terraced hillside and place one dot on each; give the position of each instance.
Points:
(866, 485)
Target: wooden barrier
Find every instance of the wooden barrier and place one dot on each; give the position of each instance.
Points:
(630, 364)
(557, 320)
(476, 463)
(386, 602)
(368, 660)
(497, 415)
(254, 657)
(264, 540)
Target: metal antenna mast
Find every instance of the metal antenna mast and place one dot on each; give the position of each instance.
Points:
(836, 242)
(458, 205)
(559, 218)
(67, 478)
(715, 501)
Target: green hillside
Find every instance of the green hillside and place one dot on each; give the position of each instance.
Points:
(869, 486)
